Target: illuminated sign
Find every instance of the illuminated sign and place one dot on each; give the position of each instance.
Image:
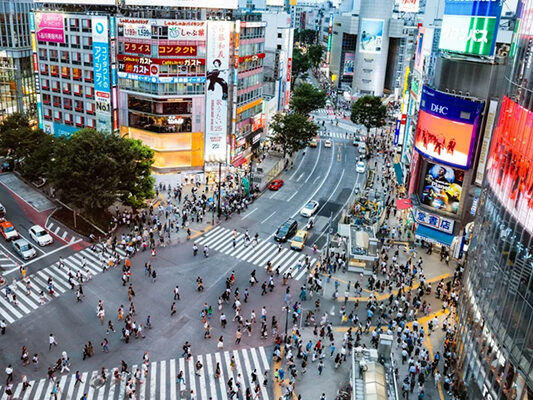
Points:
(252, 57)
(470, 26)
(434, 221)
(446, 127)
(163, 79)
(510, 164)
(349, 59)
(137, 48)
(137, 28)
(485, 144)
(177, 50)
(371, 36)
(185, 3)
(411, 6)
(442, 188)
(102, 73)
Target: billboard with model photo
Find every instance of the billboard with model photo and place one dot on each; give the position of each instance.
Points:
(442, 188)
(446, 128)
(371, 35)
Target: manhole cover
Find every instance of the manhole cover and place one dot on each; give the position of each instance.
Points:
(97, 382)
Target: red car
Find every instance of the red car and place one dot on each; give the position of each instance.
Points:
(275, 184)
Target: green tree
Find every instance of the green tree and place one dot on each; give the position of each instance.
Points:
(369, 111)
(36, 163)
(306, 98)
(300, 64)
(315, 53)
(292, 131)
(306, 36)
(91, 170)
(17, 139)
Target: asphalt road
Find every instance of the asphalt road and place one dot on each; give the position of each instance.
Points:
(326, 175)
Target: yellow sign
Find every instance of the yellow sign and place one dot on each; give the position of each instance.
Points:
(249, 105)
(406, 79)
(333, 77)
(293, 2)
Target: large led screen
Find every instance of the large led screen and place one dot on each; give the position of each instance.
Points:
(447, 127)
(442, 188)
(510, 168)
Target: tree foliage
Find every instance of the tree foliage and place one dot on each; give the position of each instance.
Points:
(292, 131)
(91, 170)
(315, 53)
(306, 36)
(300, 64)
(306, 98)
(17, 139)
(369, 111)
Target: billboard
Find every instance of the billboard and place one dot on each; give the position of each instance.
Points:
(442, 188)
(185, 3)
(424, 47)
(447, 127)
(470, 26)
(50, 27)
(485, 144)
(141, 28)
(348, 64)
(411, 6)
(102, 73)
(509, 168)
(371, 35)
(216, 98)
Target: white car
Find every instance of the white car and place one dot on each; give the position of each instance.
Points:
(25, 249)
(362, 147)
(360, 167)
(40, 235)
(309, 209)
(327, 143)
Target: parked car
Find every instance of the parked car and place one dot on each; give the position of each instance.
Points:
(40, 235)
(24, 249)
(276, 184)
(8, 230)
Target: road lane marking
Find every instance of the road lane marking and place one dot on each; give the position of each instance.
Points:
(267, 218)
(316, 163)
(290, 198)
(299, 166)
(250, 213)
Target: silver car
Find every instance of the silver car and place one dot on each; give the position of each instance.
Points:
(309, 209)
(25, 249)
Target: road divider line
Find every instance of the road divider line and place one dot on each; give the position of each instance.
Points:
(250, 213)
(290, 198)
(299, 166)
(267, 218)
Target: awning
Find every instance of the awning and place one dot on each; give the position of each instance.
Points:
(403, 204)
(433, 235)
(399, 173)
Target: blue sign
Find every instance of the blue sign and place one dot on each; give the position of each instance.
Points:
(40, 113)
(112, 27)
(397, 132)
(165, 79)
(434, 221)
(101, 67)
(451, 107)
(32, 22)
(113, 75)
(64, 130)
(476, 8)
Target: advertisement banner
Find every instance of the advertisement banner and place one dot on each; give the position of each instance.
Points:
(177, 50)
(410, 6)
(371, 35)
(470, 26)
(185, 3)
(102, 75)
(434, 221)
(424, 47)
(137, 48)
(50, 27)
(163, 79)
(447, 127)
(484, 151)
(349, 59)
(442, 188)
(509, 169)
(216, 124)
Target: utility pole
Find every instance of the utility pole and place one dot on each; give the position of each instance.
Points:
(219, 182)
(330, 231)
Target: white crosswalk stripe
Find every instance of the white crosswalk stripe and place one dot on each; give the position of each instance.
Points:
(161, 382)
(221, 239)
(81, 261)
(333, 135)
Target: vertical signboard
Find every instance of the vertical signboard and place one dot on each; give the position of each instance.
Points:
(371, 35)
(50, 27)
(36, 70)
(102, 75)
(470, 26)
(485, 144)
(330, 38)
(348, 68)
(410, 6)
(216, 97)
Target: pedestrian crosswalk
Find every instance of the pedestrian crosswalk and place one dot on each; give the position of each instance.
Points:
(221, 239)
(61, 232)
(28, 296)
(6, 262)
(161, 380)
(324, 111)
(334, 135)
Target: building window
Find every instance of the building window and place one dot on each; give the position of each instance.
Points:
(58, 116)
(87, 42)
(48, 114)
(89, 75)
(76, 74)
(57, 101)
(77, 90)
(280, 35)
(75, 41)
(67, 104)
(43, 55)
(65, 72)
(89, 108)
(89, 92)
(55, 86)
(79, 105)
(54, 70)
(79, 121)
(46, 99)
(66, 88)
(86, 25)
(44, 69)
(87, 59)
(90, 122)
(68, 119)
(45, 84)
(76, 58)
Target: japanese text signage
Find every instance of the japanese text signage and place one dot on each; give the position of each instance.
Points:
(177, 50)
(447, 127)
(136, 28)
(185, 3)
(216, 124)
(470, 26)
(137, 48)
(102, 75)
(50, 27)
(411, 6)
(434, 221)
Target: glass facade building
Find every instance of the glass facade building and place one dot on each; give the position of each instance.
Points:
(496, 307)
(17, 83)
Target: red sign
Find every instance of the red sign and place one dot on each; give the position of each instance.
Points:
(289, 69)
(510, 164)
(160, 61)
(176, 50)
(251, 57)
(137, 48)
(404, 119)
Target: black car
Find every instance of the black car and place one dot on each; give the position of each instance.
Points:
(286, 230)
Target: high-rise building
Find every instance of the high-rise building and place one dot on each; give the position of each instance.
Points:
(184, 80)
(496, 306)
(17, 83)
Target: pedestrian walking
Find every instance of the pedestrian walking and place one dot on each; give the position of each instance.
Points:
(9, 374)
(173, 309)
(320, 367)
(51, 341)
(78, 378)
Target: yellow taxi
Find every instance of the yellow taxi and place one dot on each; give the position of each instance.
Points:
(313, 142)
(298, 241)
